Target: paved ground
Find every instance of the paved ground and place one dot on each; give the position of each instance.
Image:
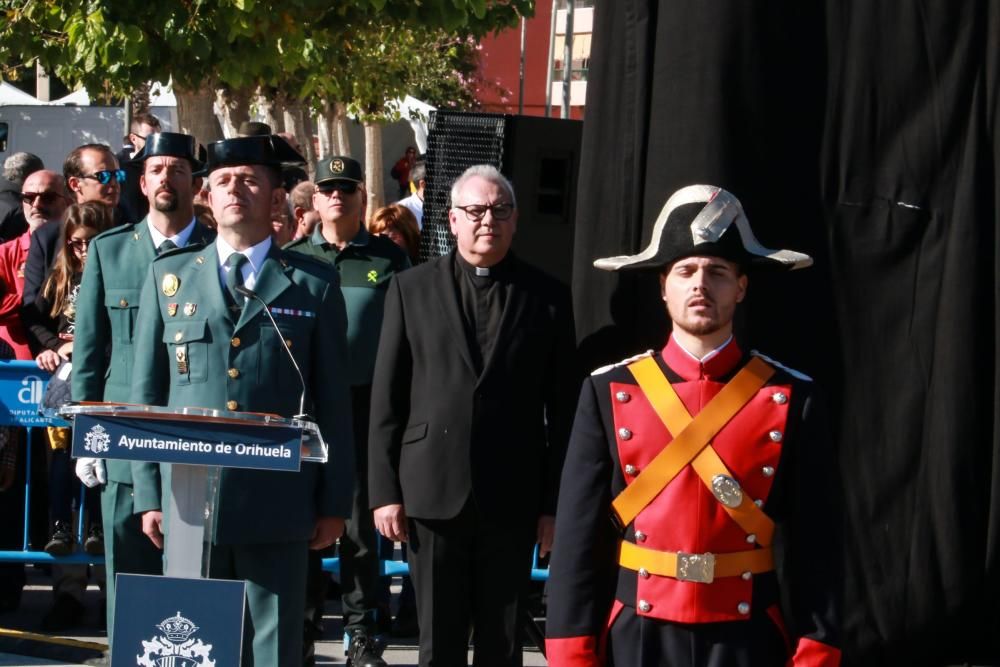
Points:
(38, 596)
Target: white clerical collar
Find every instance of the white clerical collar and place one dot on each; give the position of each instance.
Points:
(708, 356)
(180, 239)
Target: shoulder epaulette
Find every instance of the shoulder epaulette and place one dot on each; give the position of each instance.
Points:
(297, 258)
(295, 243)
(114, 231)
(623, 362)
(777, 364)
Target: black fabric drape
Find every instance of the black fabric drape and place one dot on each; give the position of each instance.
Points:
(861, 132)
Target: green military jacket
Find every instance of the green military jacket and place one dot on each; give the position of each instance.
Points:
(365, 265)
(235, 361)
(106, 309)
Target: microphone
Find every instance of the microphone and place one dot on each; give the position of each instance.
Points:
(250, 294)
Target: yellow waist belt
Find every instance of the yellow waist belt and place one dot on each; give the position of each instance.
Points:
(700, 568)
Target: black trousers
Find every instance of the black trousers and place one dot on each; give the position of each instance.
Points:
(635, 640)
(469, 573)
(359, 544)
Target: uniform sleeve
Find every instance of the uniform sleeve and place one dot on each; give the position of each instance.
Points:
(581, 572)
(811, 575)
(332, 400)
(93, 330)
(150, 386)
(390, 406)
(562, 385)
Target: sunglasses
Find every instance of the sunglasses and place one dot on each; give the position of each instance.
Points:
(477, 212)
(344, 187)
(46, 197)
(104, 177)
(78, 244)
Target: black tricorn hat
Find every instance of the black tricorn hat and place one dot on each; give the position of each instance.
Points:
(270, 151)
(172, 144)
(704, 220)
(253, 128)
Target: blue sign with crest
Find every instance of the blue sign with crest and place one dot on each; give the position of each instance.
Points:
(230, 445)
(174, 622)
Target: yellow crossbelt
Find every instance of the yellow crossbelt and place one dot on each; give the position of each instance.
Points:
(665, 563)
(691, 439)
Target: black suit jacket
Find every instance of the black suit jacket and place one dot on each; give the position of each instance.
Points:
(439, 432)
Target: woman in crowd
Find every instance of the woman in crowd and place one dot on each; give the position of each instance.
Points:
(50, 327)
(398, 223)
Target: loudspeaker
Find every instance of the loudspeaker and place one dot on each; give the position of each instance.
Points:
(540, 156)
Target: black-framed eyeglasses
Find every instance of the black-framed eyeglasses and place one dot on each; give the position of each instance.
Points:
(343, 187)
(46, 197)
(104, 177)
(78, 244)
(476, 212)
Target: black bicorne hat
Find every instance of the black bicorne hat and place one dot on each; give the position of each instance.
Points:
(704, 220)
(172, 144)
(270, 151)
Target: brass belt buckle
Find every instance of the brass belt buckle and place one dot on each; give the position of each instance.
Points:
(699, 568)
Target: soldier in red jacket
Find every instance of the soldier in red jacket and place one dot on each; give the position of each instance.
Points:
(697, 522)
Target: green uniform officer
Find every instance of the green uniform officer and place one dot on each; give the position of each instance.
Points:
(200, 343)
(107, 306)
(365, 263)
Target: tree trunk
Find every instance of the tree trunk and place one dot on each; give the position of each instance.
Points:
(274, 106)
(308, 135)
(235, 106)
(324, 122)
(342, 141)
(196, 115)
(373, 168)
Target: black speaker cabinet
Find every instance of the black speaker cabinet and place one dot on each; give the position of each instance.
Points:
(540, 156)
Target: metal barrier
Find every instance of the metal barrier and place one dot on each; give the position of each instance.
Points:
(22, 385)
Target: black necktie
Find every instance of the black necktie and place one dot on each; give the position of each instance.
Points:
(165, 246)
(234, 278)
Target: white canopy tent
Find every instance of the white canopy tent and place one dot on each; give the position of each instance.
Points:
(11, 95)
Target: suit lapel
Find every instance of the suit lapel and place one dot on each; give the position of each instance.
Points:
(200, 234)
(143, 241)
(271, 282)
(447, 292)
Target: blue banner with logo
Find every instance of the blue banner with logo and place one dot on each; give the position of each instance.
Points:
(172, 622)
(22, 385)
(229, 445)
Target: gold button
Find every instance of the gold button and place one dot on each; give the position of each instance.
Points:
(236, 342)
(123, 303)
(288, 343)
(234, 373)
(178, 336)
(232, 405)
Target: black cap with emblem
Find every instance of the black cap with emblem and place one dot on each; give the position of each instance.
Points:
(704, 220)
(338, 168)
(270, 151)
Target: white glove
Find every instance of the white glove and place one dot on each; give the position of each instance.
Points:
(91, 472)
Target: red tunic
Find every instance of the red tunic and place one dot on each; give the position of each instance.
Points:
(615, 436)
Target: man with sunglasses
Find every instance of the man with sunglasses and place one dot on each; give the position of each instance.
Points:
(366, 264)
(471, 406)
(43, 200)
(92, 174)
(107, 309)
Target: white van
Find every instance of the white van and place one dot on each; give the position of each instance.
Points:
(52, 131)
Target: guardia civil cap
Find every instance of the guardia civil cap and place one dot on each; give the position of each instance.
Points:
(270, 151)
(704, 220)
(338, 168)
(172, 144)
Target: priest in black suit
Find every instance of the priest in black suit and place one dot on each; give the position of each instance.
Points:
(472, 400)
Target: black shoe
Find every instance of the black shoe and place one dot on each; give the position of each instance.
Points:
(61, 542)
(364, 651)
(65, 613)
(94, 544)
